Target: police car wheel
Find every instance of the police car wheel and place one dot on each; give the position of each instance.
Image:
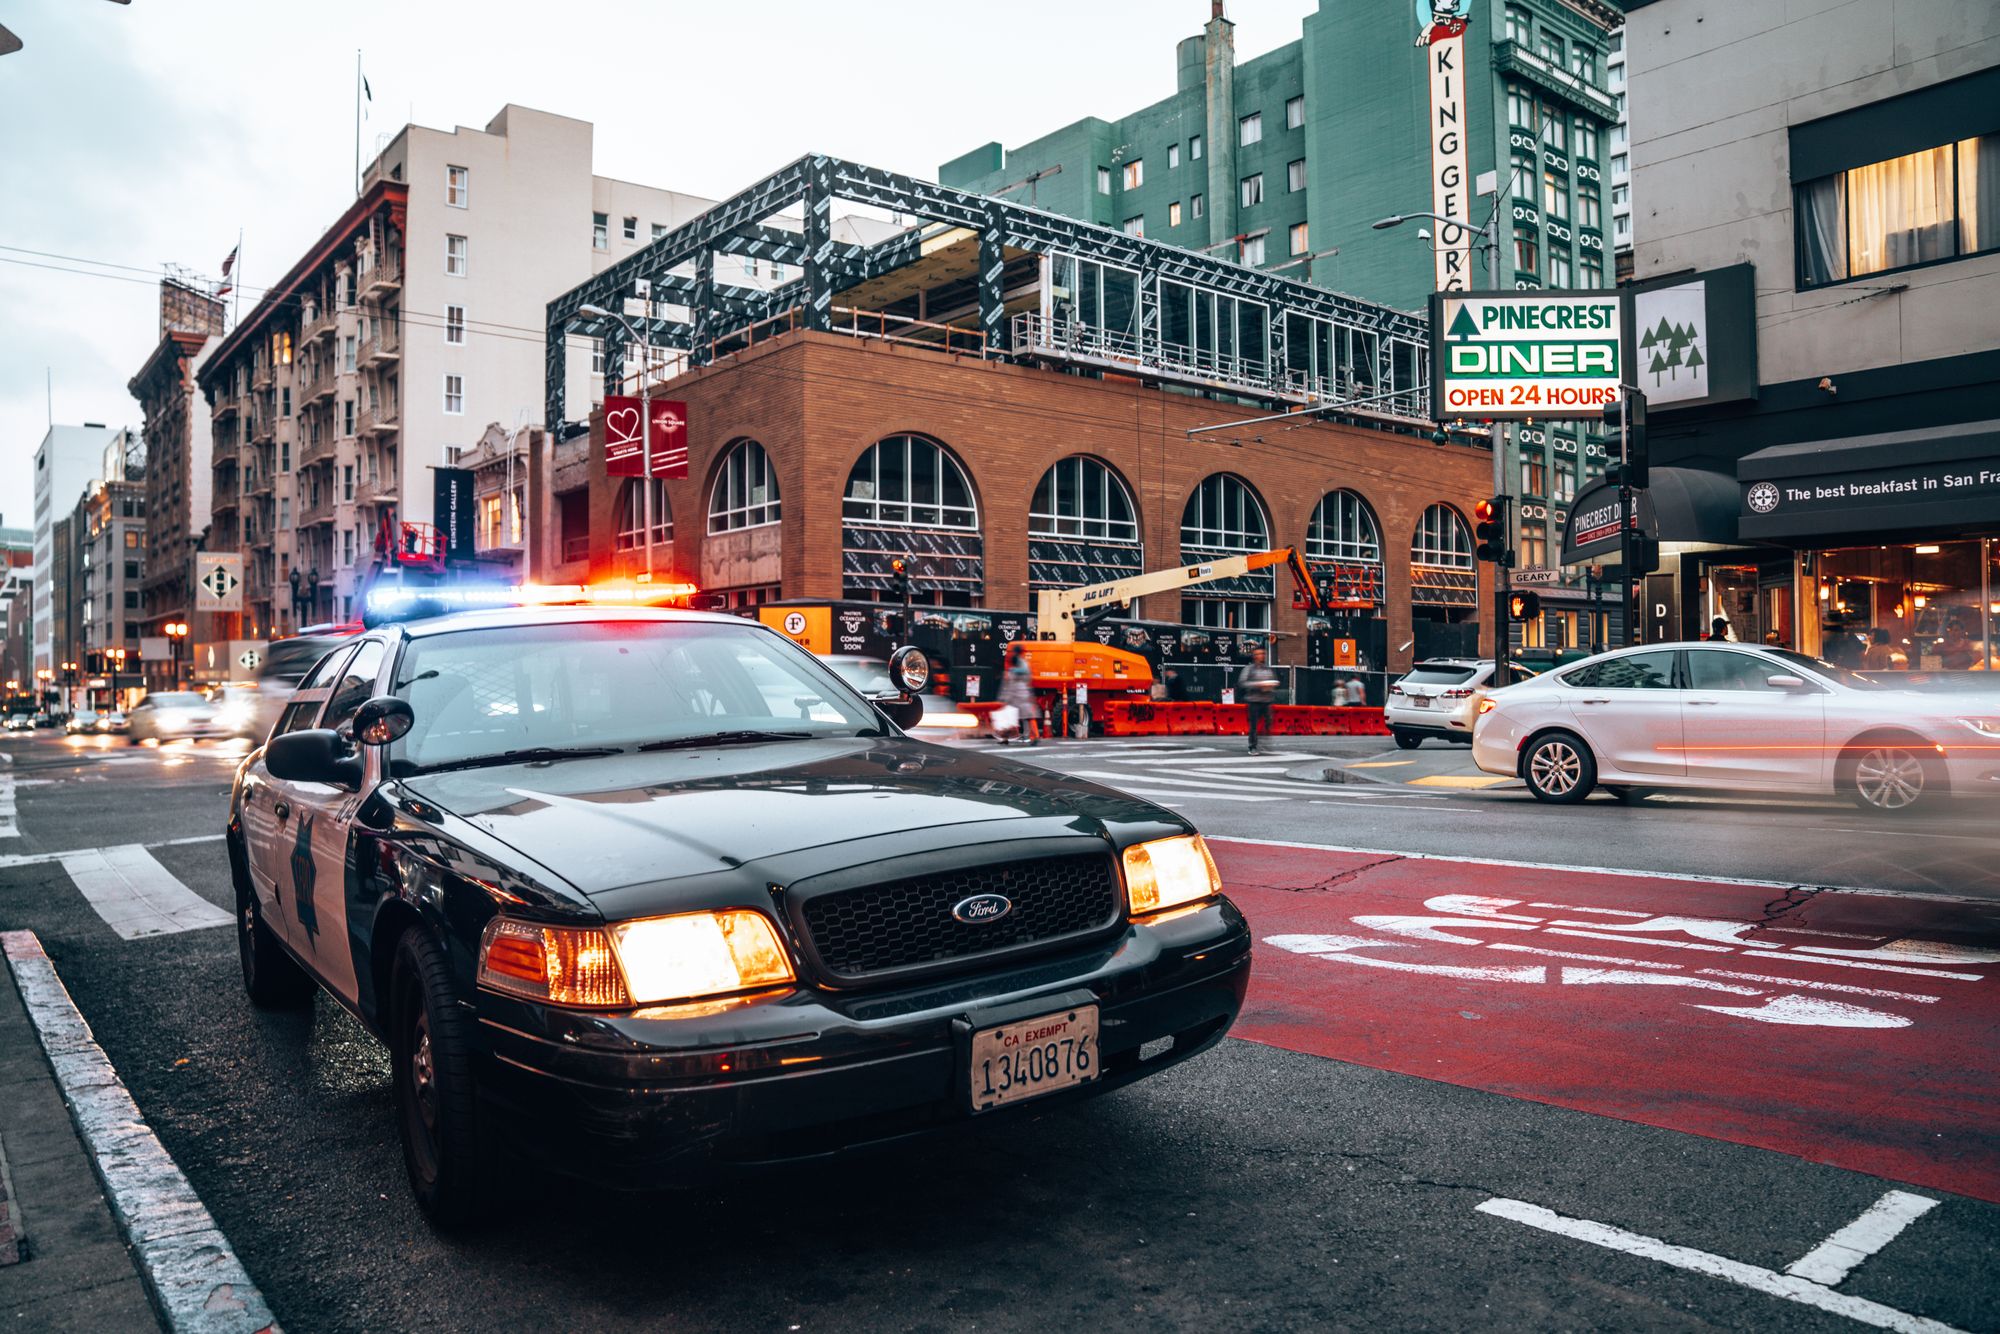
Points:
(431, 1052)
(270, 977)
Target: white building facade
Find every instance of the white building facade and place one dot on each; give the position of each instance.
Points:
(66, 463)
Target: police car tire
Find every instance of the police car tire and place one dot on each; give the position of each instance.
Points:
(272, 978)
(443, 1159)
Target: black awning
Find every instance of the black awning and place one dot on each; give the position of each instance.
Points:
(1678, 505)
(1945, 478)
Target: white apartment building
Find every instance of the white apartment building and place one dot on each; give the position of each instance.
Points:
(66, 462)
(402, 332)
(1621, 154)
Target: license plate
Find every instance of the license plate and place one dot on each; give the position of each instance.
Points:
(1014, 1062)
(1420, 701)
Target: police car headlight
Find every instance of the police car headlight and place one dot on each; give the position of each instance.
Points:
(697, 954)
(561, 965)
(1168, 873)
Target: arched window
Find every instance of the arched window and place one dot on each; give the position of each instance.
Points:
(1343, 528)
(1442, 540)
(1224, 517)
(632, 515)
(909, 480)
(1082, 526)
(746, 490)
(909, 499)
(1080, 498)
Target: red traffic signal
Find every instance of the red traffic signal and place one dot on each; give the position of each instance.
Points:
(1491, 528)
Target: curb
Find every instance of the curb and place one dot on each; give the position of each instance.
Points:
(195, 1281)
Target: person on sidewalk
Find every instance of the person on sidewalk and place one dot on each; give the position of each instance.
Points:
(1017, 691)
(1257, 688)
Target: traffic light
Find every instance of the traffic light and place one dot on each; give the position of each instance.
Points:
(1625, 420)
(899, 578)
(1524, 606)
(1490, 527)
(1645, 555)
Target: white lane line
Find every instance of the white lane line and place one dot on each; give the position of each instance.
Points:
(1184, 795)
(1766, 956)
(196, 1281)
(1790, 1287)
(1588, 958)
(1835, 1258)
(1642, 940)
(1624, 872)
(136, 895)
(8, 829)
(41, 858)
(1811, 985)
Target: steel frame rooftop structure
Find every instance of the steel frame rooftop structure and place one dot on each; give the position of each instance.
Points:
(737, 226)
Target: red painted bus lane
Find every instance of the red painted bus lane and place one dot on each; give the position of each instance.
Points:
(1858, 1030)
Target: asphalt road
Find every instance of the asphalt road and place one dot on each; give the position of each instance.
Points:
(1256, 1187)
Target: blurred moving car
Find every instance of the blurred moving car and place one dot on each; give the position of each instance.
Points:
(45, 719)
(20, 722)
(83, 720)
(239, 712)
(114, 721)
(1739, 718)
(870, 676)
(1437, 698)
(167, 715)
(286, 661)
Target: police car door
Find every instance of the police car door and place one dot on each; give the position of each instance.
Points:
(315, 871)
(266, 805)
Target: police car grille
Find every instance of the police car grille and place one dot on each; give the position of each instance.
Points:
(908, 923)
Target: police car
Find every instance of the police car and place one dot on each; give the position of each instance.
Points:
(638, 892)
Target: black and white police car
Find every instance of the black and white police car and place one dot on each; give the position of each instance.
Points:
(636, 892)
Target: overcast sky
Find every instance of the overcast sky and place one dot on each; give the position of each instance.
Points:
(150, 133)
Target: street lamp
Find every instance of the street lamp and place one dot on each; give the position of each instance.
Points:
(176, 632)
(69, 685)
(1489, 244)
(645, 425)
(115, 657)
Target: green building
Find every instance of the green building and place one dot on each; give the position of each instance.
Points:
(1288, 161)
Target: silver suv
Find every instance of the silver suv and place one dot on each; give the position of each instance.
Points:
(1437, 699)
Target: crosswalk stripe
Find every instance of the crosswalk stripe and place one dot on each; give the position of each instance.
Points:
(1184, 795)
(8, 829)
(135, 895)
(1123, 780)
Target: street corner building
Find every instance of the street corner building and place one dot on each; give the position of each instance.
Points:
(1007, 400)
(1812, 319)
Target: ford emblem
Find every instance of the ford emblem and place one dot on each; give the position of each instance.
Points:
(981, 908)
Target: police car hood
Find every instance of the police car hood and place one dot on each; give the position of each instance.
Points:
(610, 822)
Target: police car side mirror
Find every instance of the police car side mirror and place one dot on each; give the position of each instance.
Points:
(903, 710)
(315, 755)
(382, 720)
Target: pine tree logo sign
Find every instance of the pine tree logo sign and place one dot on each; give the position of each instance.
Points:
(1671, 355)
(1525, 354)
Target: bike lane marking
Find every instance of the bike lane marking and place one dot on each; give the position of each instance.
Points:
(1693, 1021)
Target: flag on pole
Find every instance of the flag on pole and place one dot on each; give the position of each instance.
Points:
(366, 90)
(228, 264)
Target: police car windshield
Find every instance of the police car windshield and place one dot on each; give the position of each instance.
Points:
(485, 692)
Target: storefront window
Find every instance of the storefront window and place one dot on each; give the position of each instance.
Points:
(1922, 607)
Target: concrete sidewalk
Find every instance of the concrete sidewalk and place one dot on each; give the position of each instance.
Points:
(68, 1267)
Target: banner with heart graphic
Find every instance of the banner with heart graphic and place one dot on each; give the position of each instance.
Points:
(624, 455)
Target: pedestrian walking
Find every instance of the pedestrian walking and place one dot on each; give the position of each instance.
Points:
(1353, 692)
(1257, 688)
(1017, 692)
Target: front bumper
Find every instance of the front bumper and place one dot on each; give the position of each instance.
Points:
(654, 1097)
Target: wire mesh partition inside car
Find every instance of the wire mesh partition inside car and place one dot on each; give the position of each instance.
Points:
(480, 692)
(875, 929)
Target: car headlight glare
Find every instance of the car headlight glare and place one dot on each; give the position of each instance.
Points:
(561, 965)
(690, 955)
(1169, 872)
(644, 962)
(1984, 726)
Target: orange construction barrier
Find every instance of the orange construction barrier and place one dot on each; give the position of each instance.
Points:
(1119, 717)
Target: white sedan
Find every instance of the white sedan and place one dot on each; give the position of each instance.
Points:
(1737, 717)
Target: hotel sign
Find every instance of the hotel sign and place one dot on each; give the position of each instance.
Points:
(1525, 354)
(1441, 35)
